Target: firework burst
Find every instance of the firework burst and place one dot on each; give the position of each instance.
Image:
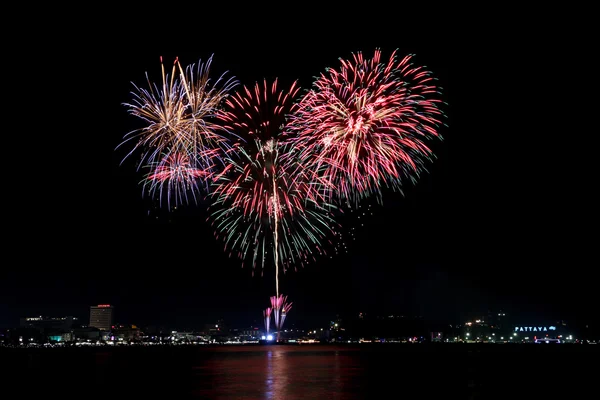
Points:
(176, 177)
(279, 308)
(180, 140)
(365, 125)
(260, 207)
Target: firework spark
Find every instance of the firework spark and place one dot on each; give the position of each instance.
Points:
(267, 316)
(280, 307)
(180, 126)
(175, 176)
(260, 207)
(365, 125)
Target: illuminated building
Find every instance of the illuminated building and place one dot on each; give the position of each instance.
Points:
(48, 323)
(101, 316)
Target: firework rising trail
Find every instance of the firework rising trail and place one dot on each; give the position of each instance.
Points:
(285, 308)
(267, 316)
(365, 125)
(180, 124)
(280, 307)
(276, 303)
(259, 206)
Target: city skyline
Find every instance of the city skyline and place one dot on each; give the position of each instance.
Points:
(101, 318)
(493, 224)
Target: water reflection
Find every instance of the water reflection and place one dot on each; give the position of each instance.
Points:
(301, 375)
(276, 379)
(279, 373)
(304, 372)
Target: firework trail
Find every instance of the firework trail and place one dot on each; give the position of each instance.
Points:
(276, 303)
(285, 308)
(260, 206)
(280, 308)
(179, 126)
(267, 316)
(365, 125)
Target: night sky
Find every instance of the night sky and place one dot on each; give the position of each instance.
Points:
(502, 220)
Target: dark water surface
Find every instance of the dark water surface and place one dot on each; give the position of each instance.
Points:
(453, 371)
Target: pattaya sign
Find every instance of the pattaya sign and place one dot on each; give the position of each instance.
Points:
(534, 328)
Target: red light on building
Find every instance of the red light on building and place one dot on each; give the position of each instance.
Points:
(103, 305)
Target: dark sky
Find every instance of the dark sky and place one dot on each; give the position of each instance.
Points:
(503, 219)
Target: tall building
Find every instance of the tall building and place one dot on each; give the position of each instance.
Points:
(101, 316)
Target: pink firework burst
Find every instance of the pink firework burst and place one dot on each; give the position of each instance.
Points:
(280, 307)
(175, 176)
(365, 125)
(264, 205)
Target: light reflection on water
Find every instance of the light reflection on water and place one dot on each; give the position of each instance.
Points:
(278, 372)
(304, 372)
(276, 380)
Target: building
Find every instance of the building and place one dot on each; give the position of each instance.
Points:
(41, 323)
(41, 329)
(83, 334)
(101, 317)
